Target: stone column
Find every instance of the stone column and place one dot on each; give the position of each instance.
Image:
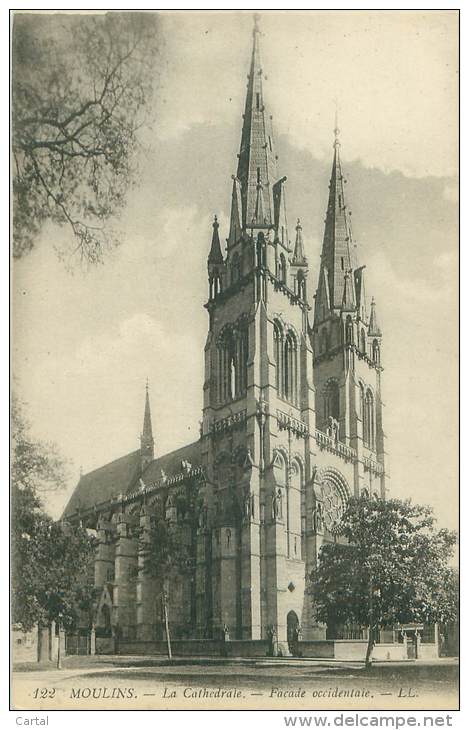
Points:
(203, 584)
(250, 579)
(125, 579)
(147, 596)
(228, 578)
(275, 548)
(105, 556)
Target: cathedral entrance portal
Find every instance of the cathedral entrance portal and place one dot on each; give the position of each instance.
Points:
(293, 631)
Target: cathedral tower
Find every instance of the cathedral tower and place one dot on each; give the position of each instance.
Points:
(258, 397)
(292, 426)
(347, 345)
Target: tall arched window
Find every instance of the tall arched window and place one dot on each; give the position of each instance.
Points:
(376, 352)
(214, 285)
(233, 351)
(290, 368)
(362, 404)
(278, 346)
(226, 366)
(369, 420)
(242, 348)
(301, 285)
(363, 341)
(286, 364)
(282, 269)
(331, 401)
(349, 330)
(261, 255)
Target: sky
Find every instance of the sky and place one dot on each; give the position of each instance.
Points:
(85, 341)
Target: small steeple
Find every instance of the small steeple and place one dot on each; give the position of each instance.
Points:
(215, 256)
(147, 444)
(373, 327)
(348, 296)
(299, 258)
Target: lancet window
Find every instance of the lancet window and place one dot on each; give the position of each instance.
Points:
(286, 363)
(232, 353)
(348, 331)
(363, 341)
(367, 410)
(301, 285)
(215, 285)
(260, 249)
(331, 401)
(282, 269)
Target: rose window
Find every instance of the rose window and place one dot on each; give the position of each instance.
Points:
(333, 505)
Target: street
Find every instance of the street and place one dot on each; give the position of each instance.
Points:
(116, 682)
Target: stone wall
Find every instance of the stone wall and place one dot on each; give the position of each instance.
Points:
(104, 645)
(190, 647)
(389, 652)
(24, 645)
(316, 649)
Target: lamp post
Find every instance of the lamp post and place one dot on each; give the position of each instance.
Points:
(59, 653)
(164, 600)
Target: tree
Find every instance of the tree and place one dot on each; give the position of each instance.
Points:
(390, 567)
(80, 89)
(168, 546)
(51, 561)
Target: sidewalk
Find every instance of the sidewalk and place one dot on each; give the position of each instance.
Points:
(106, 663)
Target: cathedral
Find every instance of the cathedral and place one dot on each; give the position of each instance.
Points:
(292, 425)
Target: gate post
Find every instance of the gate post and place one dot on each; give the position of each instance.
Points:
(93, 641)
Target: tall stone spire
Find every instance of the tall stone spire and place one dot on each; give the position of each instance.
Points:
(337, 251)
(147, 443)
(257, 163)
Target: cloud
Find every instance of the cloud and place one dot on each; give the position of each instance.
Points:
(85, 344)
(451, 192)
(394, 74)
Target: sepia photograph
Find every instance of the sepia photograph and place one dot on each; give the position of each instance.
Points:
(234, 360)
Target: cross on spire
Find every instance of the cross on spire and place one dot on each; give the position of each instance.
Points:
(336, 124)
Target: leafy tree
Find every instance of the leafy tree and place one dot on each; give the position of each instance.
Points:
(168, 546)
(81, 85)
(391, 566)
(36, 467)
(51, 561)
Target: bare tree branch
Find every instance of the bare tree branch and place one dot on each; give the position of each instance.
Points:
(79, 98)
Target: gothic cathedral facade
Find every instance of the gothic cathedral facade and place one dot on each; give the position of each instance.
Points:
(292, 422)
